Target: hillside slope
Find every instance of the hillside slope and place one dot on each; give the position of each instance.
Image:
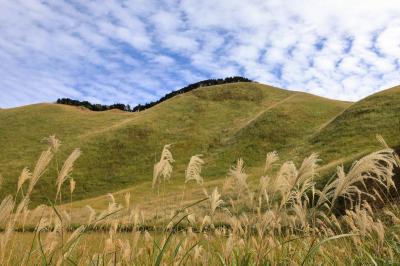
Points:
(353, 132)
(222, 122)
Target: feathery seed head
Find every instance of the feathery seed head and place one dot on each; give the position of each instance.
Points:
(40, 168)
(193, 169)
(66, 169)
(215, 200)
(238, 173)
(54, 143)
(163, 168)
(72, 185)
(25, 175)
(377, 166)
(271, 158)
(308, 168)
(6, 208)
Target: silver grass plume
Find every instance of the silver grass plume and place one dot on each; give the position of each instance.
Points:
(238, 173)
(40, 168)
(72, 185)
(271, 158)
(308, 168)
(6, 208)
(66, 169)
(54, 143)
(265, 181)
(193, 170)
(386, 146)
(25, 175)
(377, 166)
(163, 168)
(215, 201)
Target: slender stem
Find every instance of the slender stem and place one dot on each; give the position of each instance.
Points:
(70, 206)
(183, 194)
(164, 205)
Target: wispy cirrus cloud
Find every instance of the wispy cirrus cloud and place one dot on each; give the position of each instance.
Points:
(136, 51)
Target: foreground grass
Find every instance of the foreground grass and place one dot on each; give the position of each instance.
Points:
(284, 219)
(209, 249)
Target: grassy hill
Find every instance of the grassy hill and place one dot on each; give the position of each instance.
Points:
(222, 122)
(353, 132)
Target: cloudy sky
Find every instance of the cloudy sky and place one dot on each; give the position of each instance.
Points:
(136, 51)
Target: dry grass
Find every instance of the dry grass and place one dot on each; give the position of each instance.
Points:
(283, 220)
(193, 171)
(164, 167)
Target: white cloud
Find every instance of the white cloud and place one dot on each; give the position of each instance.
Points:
(389, 40)
(136, 51)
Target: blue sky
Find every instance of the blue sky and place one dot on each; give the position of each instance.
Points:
(136, 51)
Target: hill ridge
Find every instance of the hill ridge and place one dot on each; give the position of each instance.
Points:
(141, 107)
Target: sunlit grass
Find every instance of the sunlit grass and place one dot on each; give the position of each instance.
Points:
(284, 219)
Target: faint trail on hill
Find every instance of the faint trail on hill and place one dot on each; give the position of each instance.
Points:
(256, 116)
(113, 126)
(144, 195)
(341, 161)
(131, 119)
(324, 125)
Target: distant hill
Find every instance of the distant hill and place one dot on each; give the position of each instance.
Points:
(223, 122)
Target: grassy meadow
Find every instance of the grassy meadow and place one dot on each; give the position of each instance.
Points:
(221, 122)
(234, 174)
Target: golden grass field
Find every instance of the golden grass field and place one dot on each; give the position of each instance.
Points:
(281, 217)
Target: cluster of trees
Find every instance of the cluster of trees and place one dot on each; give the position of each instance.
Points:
(94, 107)
(141, 107)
